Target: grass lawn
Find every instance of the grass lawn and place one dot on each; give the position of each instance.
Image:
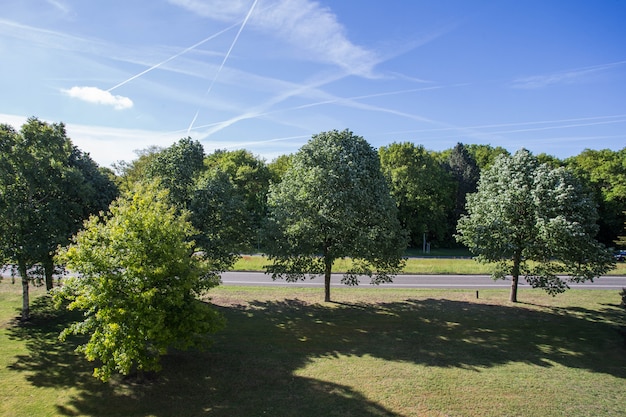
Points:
(426, 265)
(372, 352)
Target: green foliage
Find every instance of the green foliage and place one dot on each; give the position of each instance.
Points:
(250, 177)
(129, 173)
(47, 188)
(219, 214)
(604, 171)
(334, 202)
(463, 168)
(218, 208)
(553, 161)
(176, 168)
(278, 167)
(485, 155)
(98, 185)
(138, 281)
(422, 188)
(32, 172)
(524, 212)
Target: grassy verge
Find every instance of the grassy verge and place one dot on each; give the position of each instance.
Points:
(372, 352)
(429, 265)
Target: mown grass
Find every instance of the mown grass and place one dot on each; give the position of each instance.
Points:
(372, 352)
(426, 265)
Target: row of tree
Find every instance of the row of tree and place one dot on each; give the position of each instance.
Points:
(49, 187)
(429, 187)
(161, 231)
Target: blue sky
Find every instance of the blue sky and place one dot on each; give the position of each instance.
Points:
(265, 75)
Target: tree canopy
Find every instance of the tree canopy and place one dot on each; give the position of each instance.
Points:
(278, 167)
(139, 278)
(177, 167)
(422, 188)
(465, 173)
(47, 188)
(333, 202)
(534, 220)
(218, 208)
(604, 171)
(219, 214)
(251, 179)
(485, 155)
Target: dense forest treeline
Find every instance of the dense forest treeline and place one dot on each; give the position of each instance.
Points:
(429, 187)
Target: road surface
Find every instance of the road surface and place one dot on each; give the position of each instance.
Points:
(416, 281)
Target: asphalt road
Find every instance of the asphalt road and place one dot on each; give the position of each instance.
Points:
(416, 281)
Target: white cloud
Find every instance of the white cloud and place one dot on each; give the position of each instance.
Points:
(98, 96)
(303, 23)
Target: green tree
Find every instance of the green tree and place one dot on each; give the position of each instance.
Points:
(219, 214)
(465, 173)
(422, 188)
(604, 171)
(138, 283)
(218, 208)
(85, 189)
(177, 167)
(333, 203)
(534, 220)
(47, 188)
(485, 155)
(128, 173)
(251, 178)
(278, 167)
(551, 160)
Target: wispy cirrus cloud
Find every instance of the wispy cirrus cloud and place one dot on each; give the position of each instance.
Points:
(226, 56)
(568, 76)
(313, 90)
(96, 95)
(61, 6)
(47, 38)
(302, 23)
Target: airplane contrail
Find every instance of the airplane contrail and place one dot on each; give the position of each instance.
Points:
(184, 51)
(350, 101)
(232, 45)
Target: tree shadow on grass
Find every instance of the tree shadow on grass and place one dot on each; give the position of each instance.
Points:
(250, 370)
(234, 378)
(446, 333)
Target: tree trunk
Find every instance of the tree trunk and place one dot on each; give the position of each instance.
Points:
(514, 282)
(48, 269)
(515, 277)
(327, 272)
(25, 297)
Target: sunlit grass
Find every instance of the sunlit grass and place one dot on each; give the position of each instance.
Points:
(418, 266)
(371, 352)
